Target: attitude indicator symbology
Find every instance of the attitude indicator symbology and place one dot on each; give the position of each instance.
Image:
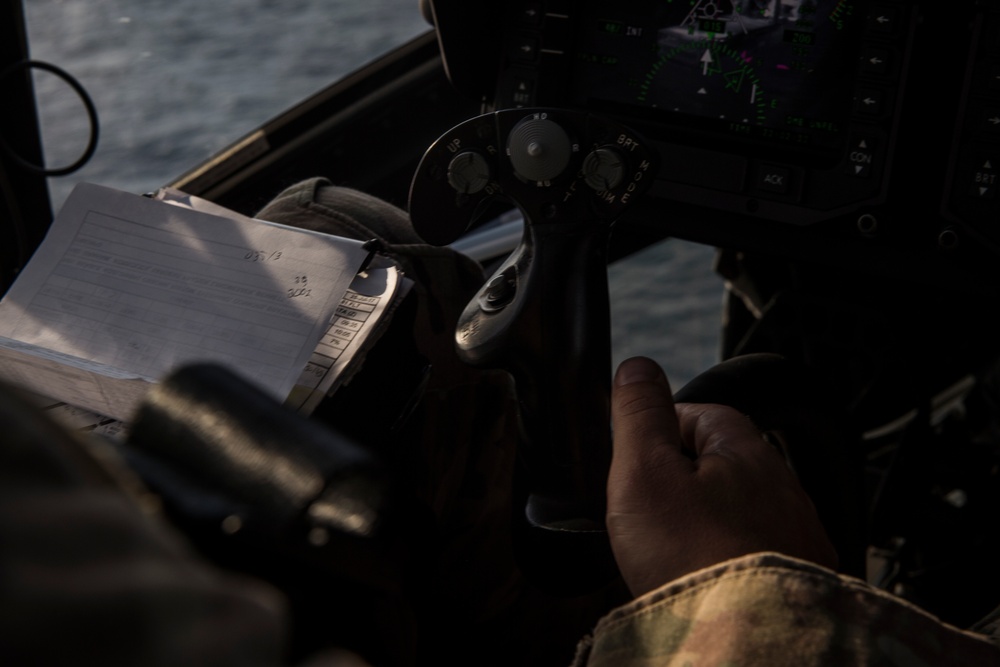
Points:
(729, 78)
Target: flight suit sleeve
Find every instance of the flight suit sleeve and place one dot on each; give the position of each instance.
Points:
(769, 609)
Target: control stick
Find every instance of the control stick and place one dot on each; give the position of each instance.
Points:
(544, 315)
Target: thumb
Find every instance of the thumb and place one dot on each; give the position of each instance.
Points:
(646, 431)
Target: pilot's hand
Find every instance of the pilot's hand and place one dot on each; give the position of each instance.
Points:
(692, 485)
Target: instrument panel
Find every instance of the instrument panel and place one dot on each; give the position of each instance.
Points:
(753, 99)
(860, 132)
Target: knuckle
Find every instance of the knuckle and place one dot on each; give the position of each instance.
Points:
(631, 403)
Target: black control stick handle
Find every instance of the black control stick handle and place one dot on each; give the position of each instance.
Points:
(544, 315)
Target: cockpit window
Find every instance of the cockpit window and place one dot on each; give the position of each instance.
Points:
(666, 303)
(176, 81)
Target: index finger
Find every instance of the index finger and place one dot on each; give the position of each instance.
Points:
(719, 430)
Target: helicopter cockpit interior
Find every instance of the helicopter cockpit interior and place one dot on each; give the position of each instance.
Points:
(841, 156)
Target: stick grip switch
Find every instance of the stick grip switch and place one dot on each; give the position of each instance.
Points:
(469, 173)
(539, 149)
(603, 169)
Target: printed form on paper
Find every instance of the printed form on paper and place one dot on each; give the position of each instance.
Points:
(125, 289)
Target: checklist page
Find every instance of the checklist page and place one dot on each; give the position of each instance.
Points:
(134, 288)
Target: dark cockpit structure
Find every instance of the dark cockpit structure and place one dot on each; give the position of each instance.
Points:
(842, 156)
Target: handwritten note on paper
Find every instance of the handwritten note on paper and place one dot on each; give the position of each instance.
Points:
(142, 287)
(359, 320)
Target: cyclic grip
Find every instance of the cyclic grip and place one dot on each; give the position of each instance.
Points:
(544, 315)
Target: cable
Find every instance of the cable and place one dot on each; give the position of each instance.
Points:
(88, 103)
(9, 199)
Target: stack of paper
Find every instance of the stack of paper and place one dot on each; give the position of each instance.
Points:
(126, 289)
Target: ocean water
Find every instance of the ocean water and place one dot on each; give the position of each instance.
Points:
(174, 81)
(666, 303)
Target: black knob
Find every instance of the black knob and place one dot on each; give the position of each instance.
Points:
(603, 169)
(469, 173)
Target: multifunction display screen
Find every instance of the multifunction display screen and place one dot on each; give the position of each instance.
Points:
(777, 70)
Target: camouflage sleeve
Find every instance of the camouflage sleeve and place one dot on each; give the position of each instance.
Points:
(769, 609)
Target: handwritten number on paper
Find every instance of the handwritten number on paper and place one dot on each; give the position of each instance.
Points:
(301, 290)
(262, 256)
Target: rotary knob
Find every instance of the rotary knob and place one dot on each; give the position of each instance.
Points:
(603, 169)
(468, 172)
(539, 149)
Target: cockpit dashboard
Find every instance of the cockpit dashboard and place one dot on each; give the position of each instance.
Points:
(860, 133)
